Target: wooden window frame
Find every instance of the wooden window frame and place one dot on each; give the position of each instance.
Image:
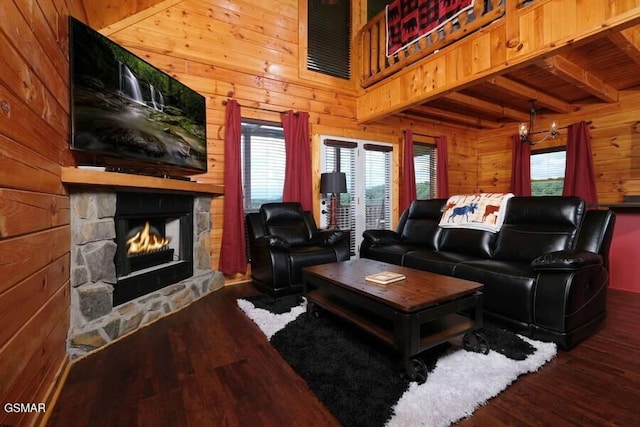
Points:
(357, 16)
(547, 151)
(246, 164)
(433, 165)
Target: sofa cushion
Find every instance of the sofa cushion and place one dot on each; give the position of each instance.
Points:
(436, 262)
(538, 225)
(421, 227)
(475, 243)
(508, 286)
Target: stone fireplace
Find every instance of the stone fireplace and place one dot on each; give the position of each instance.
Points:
(113, 294)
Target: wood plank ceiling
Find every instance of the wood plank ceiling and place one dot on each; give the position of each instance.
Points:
(592, 73)
(101, 14)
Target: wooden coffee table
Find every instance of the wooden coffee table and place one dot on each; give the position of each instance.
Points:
(412, 315)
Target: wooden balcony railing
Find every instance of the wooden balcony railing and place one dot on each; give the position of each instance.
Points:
(376, 65)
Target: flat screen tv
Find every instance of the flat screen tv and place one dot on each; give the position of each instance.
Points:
(127, 115)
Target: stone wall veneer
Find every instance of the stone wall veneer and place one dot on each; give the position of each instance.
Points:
(94, 320)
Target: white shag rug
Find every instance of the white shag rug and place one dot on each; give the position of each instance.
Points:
(461, 382)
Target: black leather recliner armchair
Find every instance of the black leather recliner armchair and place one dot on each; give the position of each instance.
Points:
(282, 239)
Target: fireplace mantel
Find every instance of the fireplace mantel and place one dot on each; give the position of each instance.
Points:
(76, 176)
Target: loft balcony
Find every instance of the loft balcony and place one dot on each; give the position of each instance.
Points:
(377, 64)
(482, 70)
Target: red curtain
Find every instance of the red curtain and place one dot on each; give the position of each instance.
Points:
(408, 192)
(580, 178)
(520, 167)
(233, 258)
(297, 176)
(442, 172)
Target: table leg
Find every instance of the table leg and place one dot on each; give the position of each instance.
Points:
(415, 369)
(407, 332)
(475, 341)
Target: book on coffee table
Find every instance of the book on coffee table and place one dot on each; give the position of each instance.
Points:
(385, 277)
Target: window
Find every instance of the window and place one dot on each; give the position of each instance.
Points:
(547, 172)
(329, 37)
(263, 163)
(377, 198)
(367, 202)
(424, 163)
(340, 156)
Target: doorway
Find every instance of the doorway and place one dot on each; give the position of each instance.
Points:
(367, 203)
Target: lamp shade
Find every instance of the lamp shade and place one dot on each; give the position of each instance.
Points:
(333, 182)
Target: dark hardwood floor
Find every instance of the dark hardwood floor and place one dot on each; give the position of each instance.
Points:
(209, 365)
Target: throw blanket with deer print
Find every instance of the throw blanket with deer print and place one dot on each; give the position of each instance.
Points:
(484, 211)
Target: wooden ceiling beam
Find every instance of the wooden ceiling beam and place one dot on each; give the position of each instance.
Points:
(568, 71)
(629, 42)
(519, 90)
(486, 106)
(413, 118)
(461, 118)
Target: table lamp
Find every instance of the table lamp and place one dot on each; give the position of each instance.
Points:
(334, 183)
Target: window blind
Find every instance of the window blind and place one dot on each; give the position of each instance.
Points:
(424, 163)
(329, 38)
(263, 163)
(377, 186)
(341, 156)
(367, 205)
(547, 172)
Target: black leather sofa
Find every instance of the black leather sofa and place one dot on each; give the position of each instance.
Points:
(282, 239)
(544, 273)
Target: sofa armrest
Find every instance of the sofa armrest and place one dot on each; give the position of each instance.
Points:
(381, 237)
(328, 237)
(272, 242)
(566, 260)
(336, 236)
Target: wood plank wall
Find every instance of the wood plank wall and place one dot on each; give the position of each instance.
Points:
(243, 49)
(615, 139)
(100, 14)
(34, 207)
(251, 52)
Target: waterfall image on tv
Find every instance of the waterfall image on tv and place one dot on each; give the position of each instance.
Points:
(125, 112)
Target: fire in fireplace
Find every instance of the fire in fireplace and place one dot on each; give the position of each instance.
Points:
(154, 237)
(146, 240)
(147, 246)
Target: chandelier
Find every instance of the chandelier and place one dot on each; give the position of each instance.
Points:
(527, 132)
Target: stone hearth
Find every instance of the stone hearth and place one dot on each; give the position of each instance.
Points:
(95, 322)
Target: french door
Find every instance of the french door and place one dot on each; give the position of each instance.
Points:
(367, 202)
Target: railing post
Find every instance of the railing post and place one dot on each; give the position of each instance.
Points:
(511, 23)
(365, 54)
(373, 40)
